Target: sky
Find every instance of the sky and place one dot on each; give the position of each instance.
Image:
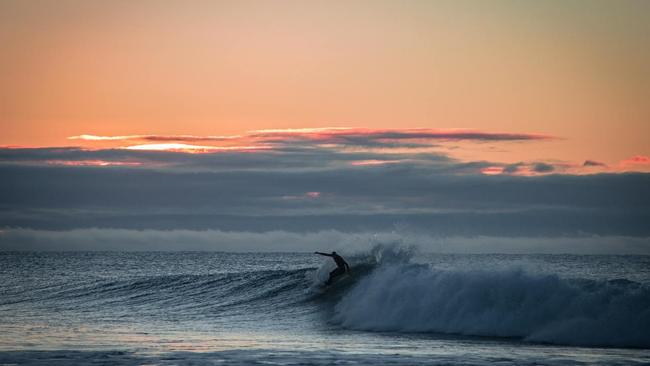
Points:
(516, 126)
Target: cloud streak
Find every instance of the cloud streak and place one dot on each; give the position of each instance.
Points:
(415, 133)
(359, 137)
(160, 138)
(398, 139)
(593, 163)
(194, 149)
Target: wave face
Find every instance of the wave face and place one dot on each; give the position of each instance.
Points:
(183, 296)
(508, 303)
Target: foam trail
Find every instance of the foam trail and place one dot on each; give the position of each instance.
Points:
(506, 303)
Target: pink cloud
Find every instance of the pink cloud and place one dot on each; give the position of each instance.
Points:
(636, 160)
(527, 169)
(492, 170)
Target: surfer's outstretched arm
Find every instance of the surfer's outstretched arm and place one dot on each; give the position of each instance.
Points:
(325, 254)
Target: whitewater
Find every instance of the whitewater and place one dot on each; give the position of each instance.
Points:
(397, 307)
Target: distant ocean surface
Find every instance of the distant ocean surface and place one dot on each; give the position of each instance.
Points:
(398, 307)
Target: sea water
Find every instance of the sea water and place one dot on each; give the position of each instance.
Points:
(397, 308)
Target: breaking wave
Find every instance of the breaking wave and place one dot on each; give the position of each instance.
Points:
(405, 297)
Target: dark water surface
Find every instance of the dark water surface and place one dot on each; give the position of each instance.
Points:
(396, 308)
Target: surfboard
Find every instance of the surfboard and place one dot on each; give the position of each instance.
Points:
(337, 279)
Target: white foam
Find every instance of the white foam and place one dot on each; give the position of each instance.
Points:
(505, 303)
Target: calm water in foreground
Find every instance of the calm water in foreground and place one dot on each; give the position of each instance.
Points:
(396, 308)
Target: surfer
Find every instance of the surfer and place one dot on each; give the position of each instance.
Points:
(341, 266)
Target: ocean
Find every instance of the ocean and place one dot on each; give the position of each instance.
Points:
(397, 307)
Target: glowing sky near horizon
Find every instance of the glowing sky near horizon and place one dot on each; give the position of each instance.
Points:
(576, 71)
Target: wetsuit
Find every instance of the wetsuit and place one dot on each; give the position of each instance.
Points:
(341, 266)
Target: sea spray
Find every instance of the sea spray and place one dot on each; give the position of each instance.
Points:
(407, 297)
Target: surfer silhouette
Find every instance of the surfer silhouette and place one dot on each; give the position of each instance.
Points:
(341, 266)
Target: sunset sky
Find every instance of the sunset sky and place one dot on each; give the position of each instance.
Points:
(579, 72)
(345, 92)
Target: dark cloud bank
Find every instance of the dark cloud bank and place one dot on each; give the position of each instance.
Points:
(424, 196)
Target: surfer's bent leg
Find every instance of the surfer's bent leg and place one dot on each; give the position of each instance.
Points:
(335, 273)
